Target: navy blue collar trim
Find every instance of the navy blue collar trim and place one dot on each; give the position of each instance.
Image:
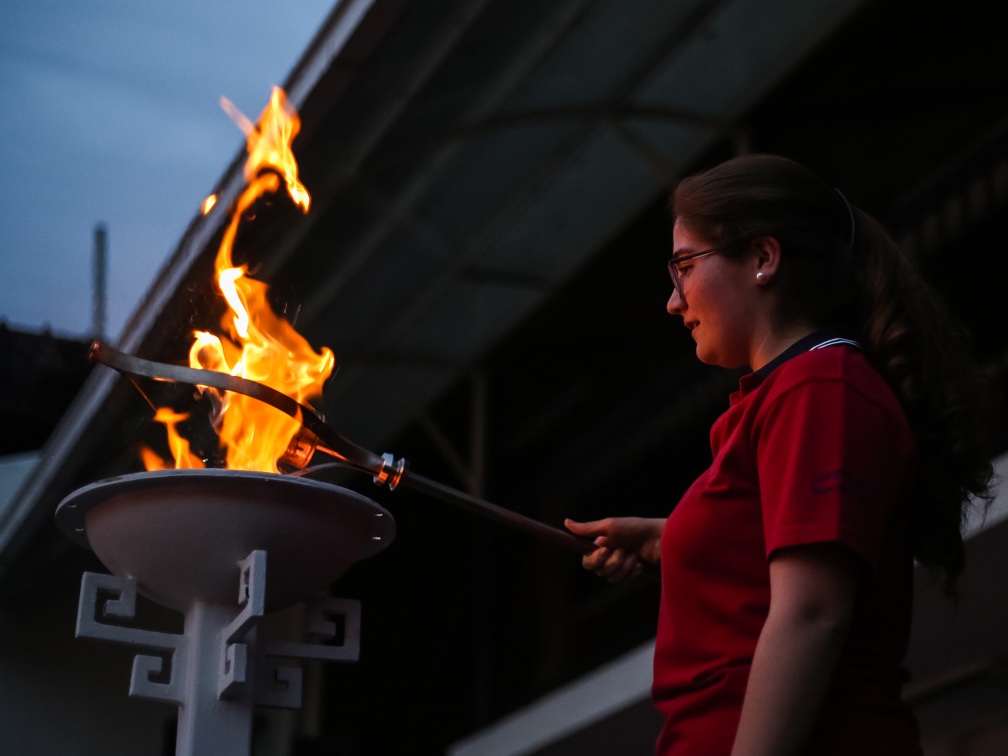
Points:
(816, 340)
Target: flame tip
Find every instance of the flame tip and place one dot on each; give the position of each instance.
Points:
(262, 346)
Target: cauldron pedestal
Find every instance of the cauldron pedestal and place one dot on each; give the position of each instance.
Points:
(198, 541)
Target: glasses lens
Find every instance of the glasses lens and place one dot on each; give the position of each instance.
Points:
(674, 273)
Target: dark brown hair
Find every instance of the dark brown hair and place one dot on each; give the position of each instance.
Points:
(833, 273)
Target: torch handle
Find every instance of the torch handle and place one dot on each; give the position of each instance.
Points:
(385, 468)
(478, 506)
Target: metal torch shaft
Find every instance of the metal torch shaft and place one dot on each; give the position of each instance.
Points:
(508, 517)
(483, 508)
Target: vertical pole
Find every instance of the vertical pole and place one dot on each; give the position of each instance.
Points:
(208, 725)
(99, 272)
(484, 642)
(478, 435)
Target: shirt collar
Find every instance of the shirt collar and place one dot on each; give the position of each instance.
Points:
(823, 337)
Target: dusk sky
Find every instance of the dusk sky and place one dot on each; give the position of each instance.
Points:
(111, 115)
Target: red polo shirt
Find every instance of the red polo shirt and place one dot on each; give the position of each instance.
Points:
(814, 448)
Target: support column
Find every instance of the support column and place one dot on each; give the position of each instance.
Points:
(208, 725)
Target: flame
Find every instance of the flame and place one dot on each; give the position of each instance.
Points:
(176, 443)
(208, 204)
(256, 344)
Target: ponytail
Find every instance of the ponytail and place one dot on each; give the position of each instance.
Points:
(923, 353)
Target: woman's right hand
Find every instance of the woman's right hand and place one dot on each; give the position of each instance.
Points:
(623, 544)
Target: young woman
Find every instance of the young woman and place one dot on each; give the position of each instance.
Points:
(851, 449)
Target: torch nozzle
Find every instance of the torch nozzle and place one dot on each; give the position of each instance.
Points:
(305, 444)
(301, 449)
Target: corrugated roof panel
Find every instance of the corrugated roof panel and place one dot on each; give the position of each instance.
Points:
(573, 216)
(596, 62)
(461, 323)
(741, 53)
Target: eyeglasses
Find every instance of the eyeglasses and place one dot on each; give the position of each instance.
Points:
(675, 262)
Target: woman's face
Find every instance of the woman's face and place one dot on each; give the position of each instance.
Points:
(722, 306)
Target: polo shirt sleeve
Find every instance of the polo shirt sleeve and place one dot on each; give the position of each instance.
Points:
(832, 460)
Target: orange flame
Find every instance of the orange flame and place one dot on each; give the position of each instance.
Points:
(258, 345)
(176, 443)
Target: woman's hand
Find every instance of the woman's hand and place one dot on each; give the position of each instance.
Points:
(624, 545)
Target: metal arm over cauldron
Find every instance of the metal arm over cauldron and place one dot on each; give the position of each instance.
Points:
(385, 469)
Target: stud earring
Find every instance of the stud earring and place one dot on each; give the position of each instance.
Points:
(761, 276)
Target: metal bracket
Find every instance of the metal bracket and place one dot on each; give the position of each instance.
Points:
(284, 690)
(104, 596)
(244, 664)
(252, 599)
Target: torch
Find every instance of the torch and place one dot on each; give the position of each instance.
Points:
(317, 436)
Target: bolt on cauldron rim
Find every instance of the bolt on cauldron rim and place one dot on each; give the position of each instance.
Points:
(181, 533)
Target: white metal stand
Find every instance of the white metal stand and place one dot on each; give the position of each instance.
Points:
(217, 671)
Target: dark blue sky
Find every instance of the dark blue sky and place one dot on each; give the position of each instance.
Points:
(110, 113)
